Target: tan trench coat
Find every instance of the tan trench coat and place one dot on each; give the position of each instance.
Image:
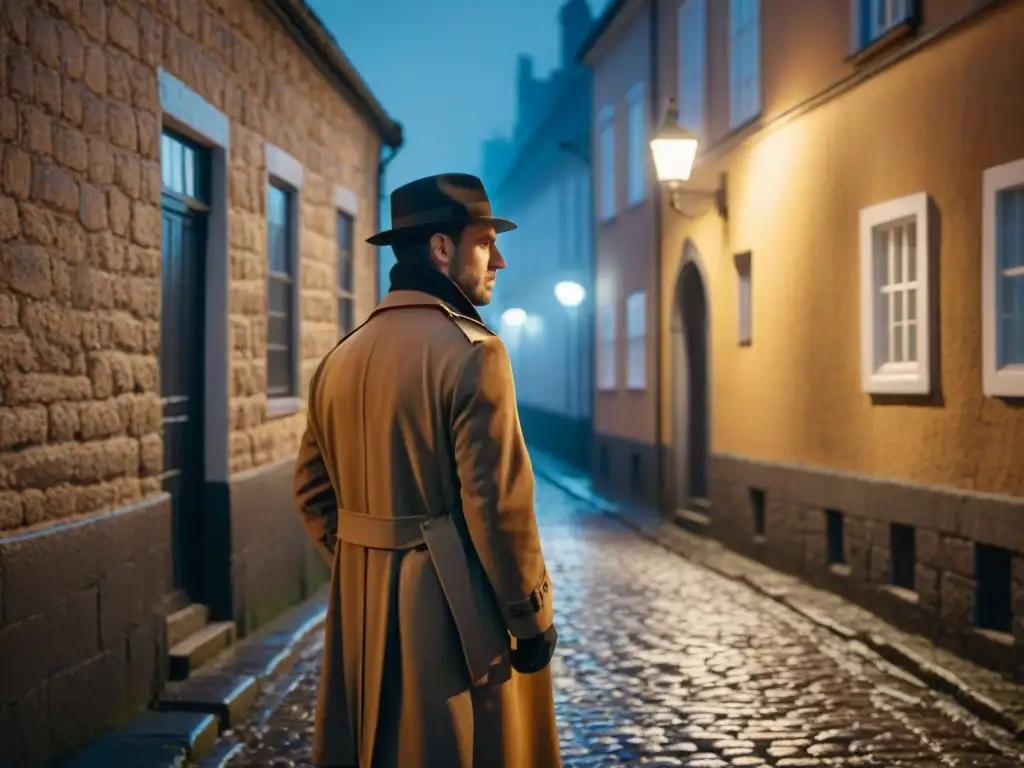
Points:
(413, 416)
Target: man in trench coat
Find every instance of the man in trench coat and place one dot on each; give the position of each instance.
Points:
(414, 482)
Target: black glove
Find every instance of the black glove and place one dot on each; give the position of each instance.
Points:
(535, 653)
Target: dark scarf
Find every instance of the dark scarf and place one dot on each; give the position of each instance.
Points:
(411, 276)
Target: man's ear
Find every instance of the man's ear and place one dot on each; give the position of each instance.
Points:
(442, 250)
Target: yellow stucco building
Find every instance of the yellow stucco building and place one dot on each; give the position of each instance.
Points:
(839, 349)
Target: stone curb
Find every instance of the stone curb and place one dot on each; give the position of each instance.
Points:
(172, 738)
(938, 678)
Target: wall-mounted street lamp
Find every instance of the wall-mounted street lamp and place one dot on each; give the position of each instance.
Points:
(569, 293)
(674, 149)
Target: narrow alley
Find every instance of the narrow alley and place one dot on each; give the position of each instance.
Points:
(664, 663)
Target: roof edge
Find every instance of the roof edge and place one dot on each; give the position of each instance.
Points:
(600, 28)
(309, 32)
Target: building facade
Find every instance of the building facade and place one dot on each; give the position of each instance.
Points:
(624, 454)
(540, 178)
(186, 188)
(840, 354)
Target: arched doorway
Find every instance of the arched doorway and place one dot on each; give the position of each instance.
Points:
(690, 384)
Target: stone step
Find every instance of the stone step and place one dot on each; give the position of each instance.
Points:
(154, 739)
(699, 505)
(200, 647)
(693, 519)
(226, 696)
(185, 622)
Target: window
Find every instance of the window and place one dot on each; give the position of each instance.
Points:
(606, 128)
(346, 274)
(876, 17)
(281, 329)
(606, 378)
(895, 305)
(744, 61)
(744, 298)
(637, 128)
(636, 340)
(1002, 281)
(692, 55)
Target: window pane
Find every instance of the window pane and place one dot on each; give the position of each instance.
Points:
(279, 294)
(912, 342)
(1010, 228)
(279, 376)
(346, 319)
(345, 267)
(181, 166)
(278, 332)
(279, 229)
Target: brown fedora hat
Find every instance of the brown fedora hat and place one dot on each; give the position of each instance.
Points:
(448, 198)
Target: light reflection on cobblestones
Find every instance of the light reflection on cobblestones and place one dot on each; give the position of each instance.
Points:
(663, 663)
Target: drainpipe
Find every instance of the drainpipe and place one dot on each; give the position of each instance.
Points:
(659, 464)
(382, 166)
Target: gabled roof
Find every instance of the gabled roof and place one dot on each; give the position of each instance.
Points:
(320, 46)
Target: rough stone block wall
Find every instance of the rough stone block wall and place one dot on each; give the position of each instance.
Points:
(80, 190)
(272, 92)
(79, 273)
(947, 526)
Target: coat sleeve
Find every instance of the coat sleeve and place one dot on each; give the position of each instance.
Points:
(315, 498)
(497, 488)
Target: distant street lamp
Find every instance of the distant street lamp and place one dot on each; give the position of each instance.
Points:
(674, 149)
(569, 293)
(514, 317)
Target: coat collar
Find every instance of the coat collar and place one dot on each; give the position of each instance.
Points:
(413, 284)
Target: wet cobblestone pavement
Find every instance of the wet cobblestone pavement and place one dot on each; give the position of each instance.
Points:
(664, 663)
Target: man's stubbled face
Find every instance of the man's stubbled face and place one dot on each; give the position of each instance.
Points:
(475, 263)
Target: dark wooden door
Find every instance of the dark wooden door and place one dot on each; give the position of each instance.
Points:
(182, 355)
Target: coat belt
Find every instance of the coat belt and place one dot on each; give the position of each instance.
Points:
(395, 533)
(478, 621)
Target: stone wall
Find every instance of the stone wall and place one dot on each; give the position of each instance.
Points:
(80, 222)
(946, 527)
(85, 529)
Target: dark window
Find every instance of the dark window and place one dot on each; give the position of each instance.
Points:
(877, 17)
(346, 274)
(757, 504)
(603, 463)
(834, 535)
(635, 473)
(993, 599)
(903, 549)
(280, 291)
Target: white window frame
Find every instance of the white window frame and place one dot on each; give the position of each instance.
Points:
(636, 133)
(636, 340)
(868, 26)
(744, 61)
(692, 34)
(899, 378)
(1008, 380)
(607, 335)
(744, 299)
(606, 153)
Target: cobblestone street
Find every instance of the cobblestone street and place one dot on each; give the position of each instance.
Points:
(664, 663)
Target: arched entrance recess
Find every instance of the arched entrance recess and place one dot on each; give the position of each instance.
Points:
(691, 422)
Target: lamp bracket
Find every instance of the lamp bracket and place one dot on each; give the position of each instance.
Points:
(677, 192)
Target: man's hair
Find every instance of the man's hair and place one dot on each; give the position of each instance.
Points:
(416, 247)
